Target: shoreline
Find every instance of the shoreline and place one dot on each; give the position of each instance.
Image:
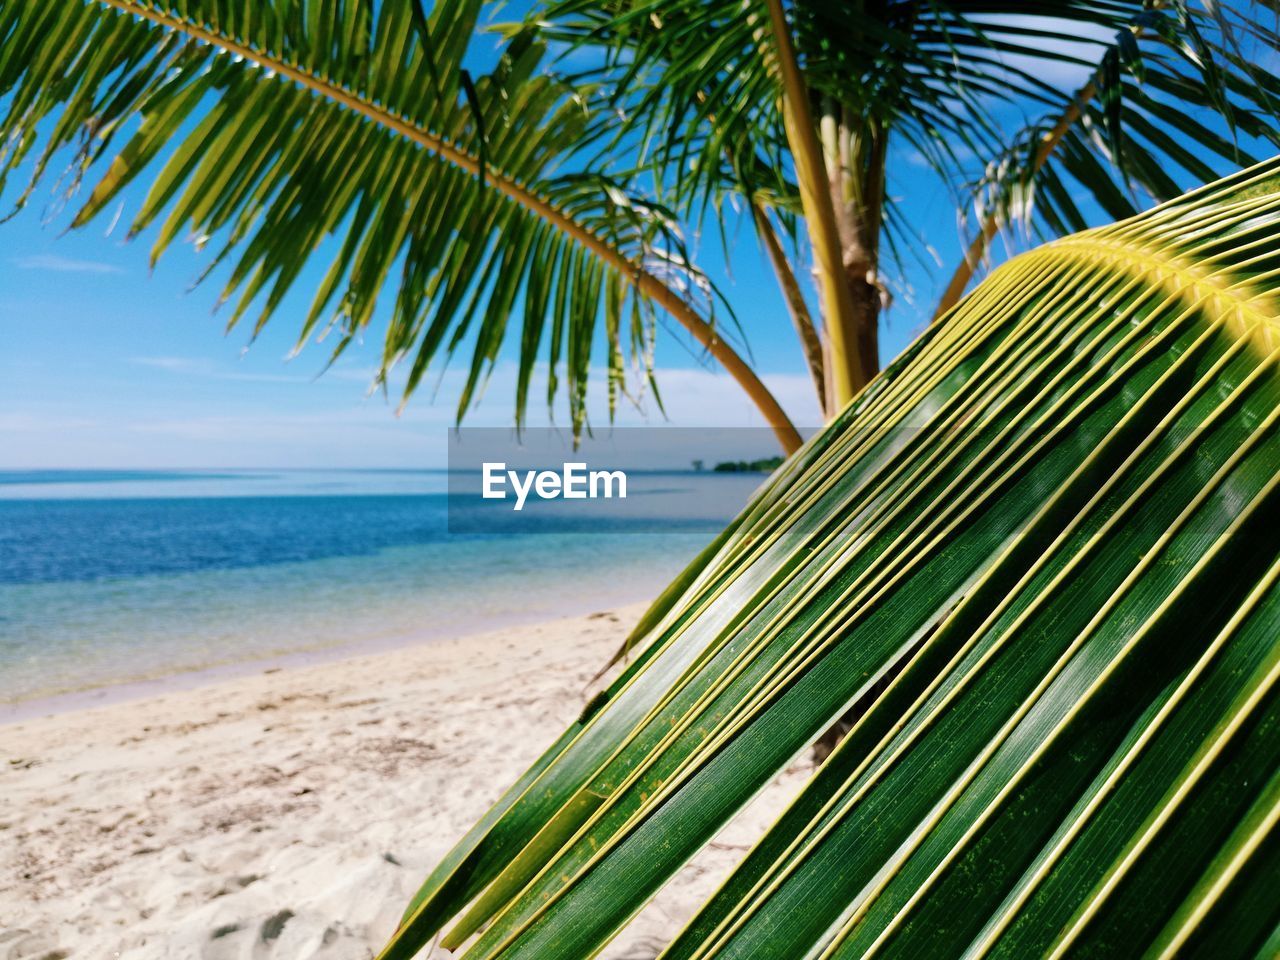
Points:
(293, 814)
(113, 692)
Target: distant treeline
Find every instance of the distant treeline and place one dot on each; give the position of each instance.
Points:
(768, 465)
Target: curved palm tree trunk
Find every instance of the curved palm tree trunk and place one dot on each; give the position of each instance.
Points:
(855, 163)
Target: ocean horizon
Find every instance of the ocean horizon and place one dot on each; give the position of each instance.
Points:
(112, 578)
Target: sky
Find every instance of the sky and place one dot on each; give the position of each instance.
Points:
(106, 364)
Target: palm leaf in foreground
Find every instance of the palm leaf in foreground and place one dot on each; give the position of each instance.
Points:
(1038, 556)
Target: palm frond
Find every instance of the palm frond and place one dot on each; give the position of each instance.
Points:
(268, 127)
(953, 83)
(1174, 98)
(1037, 558)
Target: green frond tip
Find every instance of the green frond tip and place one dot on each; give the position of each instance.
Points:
(1241, 296)
(1036, 560)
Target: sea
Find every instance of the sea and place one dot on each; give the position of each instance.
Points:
(120, 582)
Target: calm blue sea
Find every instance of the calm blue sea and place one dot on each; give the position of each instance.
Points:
(111, 578)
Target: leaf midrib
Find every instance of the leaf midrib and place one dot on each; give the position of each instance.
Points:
(436, 143)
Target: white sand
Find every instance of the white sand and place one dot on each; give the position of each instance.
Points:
(292, 814)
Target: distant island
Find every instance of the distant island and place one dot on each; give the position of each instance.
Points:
(768, 465)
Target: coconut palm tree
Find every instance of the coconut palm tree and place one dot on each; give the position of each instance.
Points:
(548, 206)
(1034, 561)
(1037, 559)
(803, 111)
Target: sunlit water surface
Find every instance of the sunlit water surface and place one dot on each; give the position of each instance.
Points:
(113, 578)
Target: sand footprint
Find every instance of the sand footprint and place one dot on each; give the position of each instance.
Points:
(269, 932)
(247, 939)
(282, 934)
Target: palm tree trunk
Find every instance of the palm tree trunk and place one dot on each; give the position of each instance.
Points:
(854, 155)
(845, 373)
(810, 341)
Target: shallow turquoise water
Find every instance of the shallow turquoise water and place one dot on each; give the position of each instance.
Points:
(108, 578)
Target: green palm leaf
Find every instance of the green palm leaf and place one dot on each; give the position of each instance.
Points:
(1038, 558)
(942, 78)
(267, 128)
(1132, 132)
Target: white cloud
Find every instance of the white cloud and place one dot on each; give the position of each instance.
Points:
(692, 397)
(193, 367)
(364, 375)
(58, 264)
(344, 428)
(170, 364)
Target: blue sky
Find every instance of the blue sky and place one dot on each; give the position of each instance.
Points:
(106, 364)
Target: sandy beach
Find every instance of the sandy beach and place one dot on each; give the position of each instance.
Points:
(292, 813)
